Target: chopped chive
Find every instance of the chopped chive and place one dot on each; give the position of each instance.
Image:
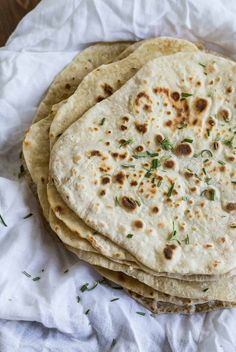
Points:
(2, 221)
(130, 235)
(206, 152)
(148, 173)
(78, 299)
(114, 299)
(185, 95)
(209, 193)
(205, 289)
(233, 182)
(117, 201)
(101, 123)
(228, 142)
(187, 140)
(144, 154)
(208, 179)
(182, 125)
(170, 191)
(87, 312)
(173, 234)
(126, 142)
(221, 162)
(126, 166)
(27, 216)
(155, 163)
(113, 343)
(208, 132)
(204, 66)
(140, 313)
(26, 274)
(166, 144)
(204, 170)
(138, 202)
(84, 287)
(233, 225)
(186, 239)
(159, 183)
(198, 177)
(37, 278)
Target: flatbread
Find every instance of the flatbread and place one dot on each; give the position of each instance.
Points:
(68, 79)
(180, 107)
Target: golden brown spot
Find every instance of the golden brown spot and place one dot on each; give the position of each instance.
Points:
(134, 183)
(115, 155)
(138, 224)
(208, 245)
(120, 177)
(105, 180)
(123, 127)
(168, 123)
(99, 98)
(125, 119)
(140, 96)
(95, 153)
(195, 121)
(221, 240)
(58, 209)
(161, 90)
(222, 168)
(175, 96)
(129, 203)
(188, 174)
(211, 121)
(107, 143)
(193, 189)
(230, 158)
(229, 90)
(169, 250)
(230, 207)
(159, 138)
(201, 105)
(184, 149)
(141, 127)
(67, 86)
(155, 210)
(147, 108)
(123, 155)
(107, 89)
(42, 179)
(139, 148)
(169, 164)
(104, 168)
(102, 192)
(224, 114)
(198, 83)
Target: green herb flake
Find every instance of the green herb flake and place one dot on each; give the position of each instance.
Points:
(204, 171)
(228, 142)
(208, 132)
(27, 216)
(114, 299)
(84, 287)
(166, 144)
(187, 140)
(145, 154)
(26, 274)
(173, 234)
(126, 142)
(155, 163)
(204, 66)
(141, 313)
(113, 343)
(138, 202)
(182, 125)
(159, 183)
(130, 235)
(2, 221)
(170, 191)
(101, 123)
(221, 162)
(206, 152)
(78, 299)
(233, 182)
(185, 95)
(186, 239)
(117, 203)
(126, 166)
(205, 289)
(87, 312)
(148, 173)
(37, 278)
(207, 180)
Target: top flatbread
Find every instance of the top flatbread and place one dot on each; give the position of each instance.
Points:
(179, 206)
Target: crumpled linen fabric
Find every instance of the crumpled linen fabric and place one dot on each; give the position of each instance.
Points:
(42, 312)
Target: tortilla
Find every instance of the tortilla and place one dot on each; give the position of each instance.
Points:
(159, 127)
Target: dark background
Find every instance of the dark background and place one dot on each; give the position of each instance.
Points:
(11, 12)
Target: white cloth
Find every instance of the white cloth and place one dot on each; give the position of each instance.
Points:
(43, 43)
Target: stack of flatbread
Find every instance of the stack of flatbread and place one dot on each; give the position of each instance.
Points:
(133, 156)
